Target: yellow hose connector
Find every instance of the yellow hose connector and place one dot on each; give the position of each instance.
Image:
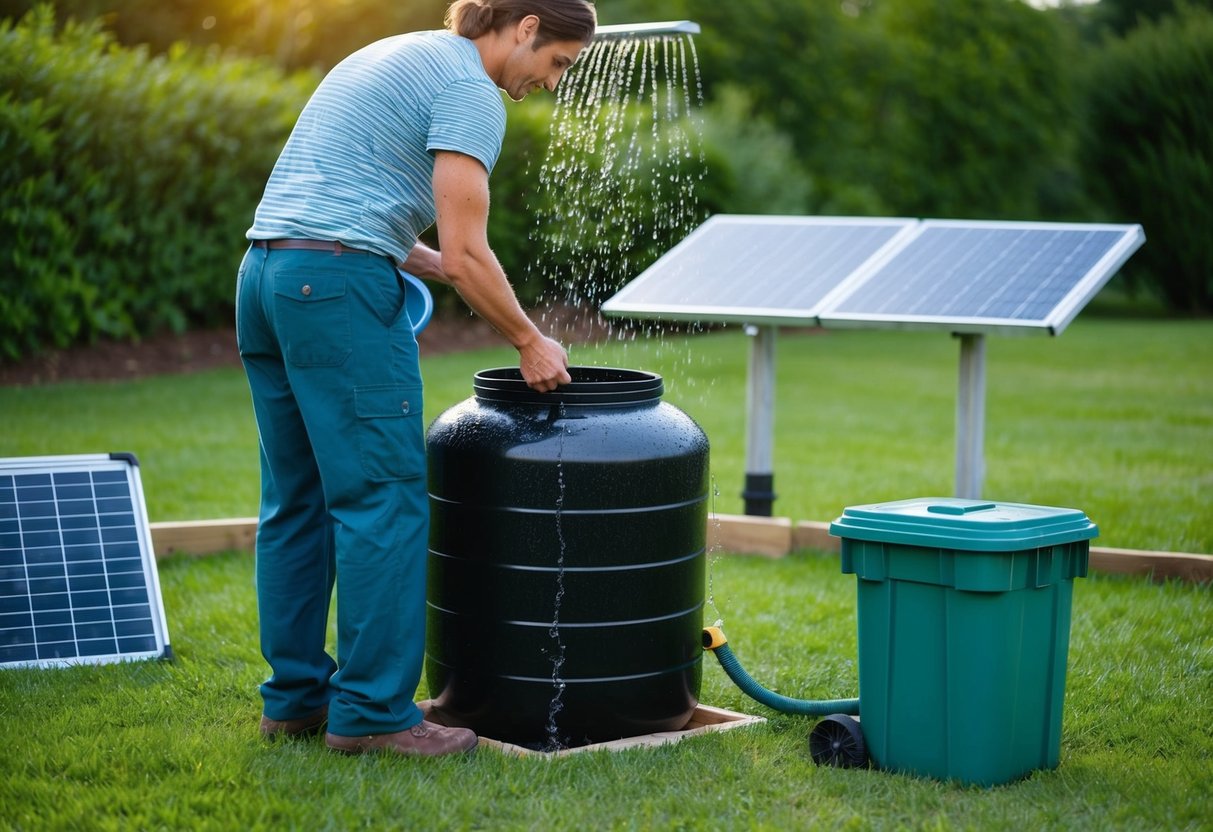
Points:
(713, 637)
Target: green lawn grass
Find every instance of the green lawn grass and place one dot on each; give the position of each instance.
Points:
(1115, 417)
(174, 745)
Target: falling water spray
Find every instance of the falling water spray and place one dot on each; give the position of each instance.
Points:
(619, 181)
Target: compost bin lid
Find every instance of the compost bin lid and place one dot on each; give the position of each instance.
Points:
(969, 525)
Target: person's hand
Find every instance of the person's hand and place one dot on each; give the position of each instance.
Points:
(544, 364)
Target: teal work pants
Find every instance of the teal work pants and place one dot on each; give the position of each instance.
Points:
(332, 366)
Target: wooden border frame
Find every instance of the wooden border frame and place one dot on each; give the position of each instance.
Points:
(772, 537)
(704, 719)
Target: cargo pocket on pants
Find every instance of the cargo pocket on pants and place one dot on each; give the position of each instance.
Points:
(391, 442)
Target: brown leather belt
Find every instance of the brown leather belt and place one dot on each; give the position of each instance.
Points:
(334, 246)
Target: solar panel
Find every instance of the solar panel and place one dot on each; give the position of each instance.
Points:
(756, 269)
(78, 582)
(968, 277)
(984, 276)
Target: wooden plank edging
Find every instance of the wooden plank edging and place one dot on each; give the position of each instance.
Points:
(203, 537)
(1158, 565)
(768, 536)
(771, 537)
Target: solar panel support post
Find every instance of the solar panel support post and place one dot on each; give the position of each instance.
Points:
(759, 493)
(971, 416)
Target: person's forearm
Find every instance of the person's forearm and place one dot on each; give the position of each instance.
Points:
(461, 197)
(425, 262)
(480, 281)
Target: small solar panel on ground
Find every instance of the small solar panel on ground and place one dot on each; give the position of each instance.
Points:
(760, 269)
(983, 276)
(78, 580)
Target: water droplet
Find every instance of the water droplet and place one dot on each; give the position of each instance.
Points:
(617, 183)
(620, 169)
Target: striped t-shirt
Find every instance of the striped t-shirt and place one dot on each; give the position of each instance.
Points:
(358, 167)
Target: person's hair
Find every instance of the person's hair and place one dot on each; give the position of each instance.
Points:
(558, 19)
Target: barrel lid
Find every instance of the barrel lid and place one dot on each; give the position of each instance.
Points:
(590, 386)
(969, 525)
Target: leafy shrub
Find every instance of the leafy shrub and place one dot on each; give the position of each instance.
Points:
(752, 167)
(1122, 15)
(1148, 151)
(972, 114)
(42, 285)
(293, 34)
(513, 222)
(913, 107)
(129, 181)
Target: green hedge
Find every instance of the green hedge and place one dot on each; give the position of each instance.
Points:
(1148, 151)
(128, 182)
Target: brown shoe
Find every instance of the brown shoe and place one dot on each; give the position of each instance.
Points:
(306, 726)
(425, 739)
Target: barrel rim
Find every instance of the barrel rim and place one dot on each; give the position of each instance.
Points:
(591, 385)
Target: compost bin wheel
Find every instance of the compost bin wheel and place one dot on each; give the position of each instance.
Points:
(838, 741)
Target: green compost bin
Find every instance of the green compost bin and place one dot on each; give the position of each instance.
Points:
(964, 631)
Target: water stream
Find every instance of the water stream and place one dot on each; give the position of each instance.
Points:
(714, 555)
(618, 184)
(617, 187)
(554, 742)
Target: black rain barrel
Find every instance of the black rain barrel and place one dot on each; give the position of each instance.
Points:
(566, 567)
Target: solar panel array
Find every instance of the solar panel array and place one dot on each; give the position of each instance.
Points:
(766, 269)
(78, 579)
(958, 275)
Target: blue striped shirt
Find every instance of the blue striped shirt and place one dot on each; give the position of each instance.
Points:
(359, 165)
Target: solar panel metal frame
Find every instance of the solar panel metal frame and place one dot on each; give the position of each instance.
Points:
(1062, 313)
(155, 628)
(625, 304)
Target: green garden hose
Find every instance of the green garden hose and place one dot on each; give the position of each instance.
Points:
(714, 640)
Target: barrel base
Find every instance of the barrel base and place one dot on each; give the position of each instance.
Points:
(704, 719)
(520, 712)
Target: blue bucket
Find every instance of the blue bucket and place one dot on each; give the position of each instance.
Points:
(418, 301)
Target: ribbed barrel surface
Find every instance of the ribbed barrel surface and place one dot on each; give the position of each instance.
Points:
(567, 548)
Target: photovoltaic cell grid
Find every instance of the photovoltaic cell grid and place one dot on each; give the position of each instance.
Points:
(958, 275)
(765, 269)
(77, 576)
(974, 276)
